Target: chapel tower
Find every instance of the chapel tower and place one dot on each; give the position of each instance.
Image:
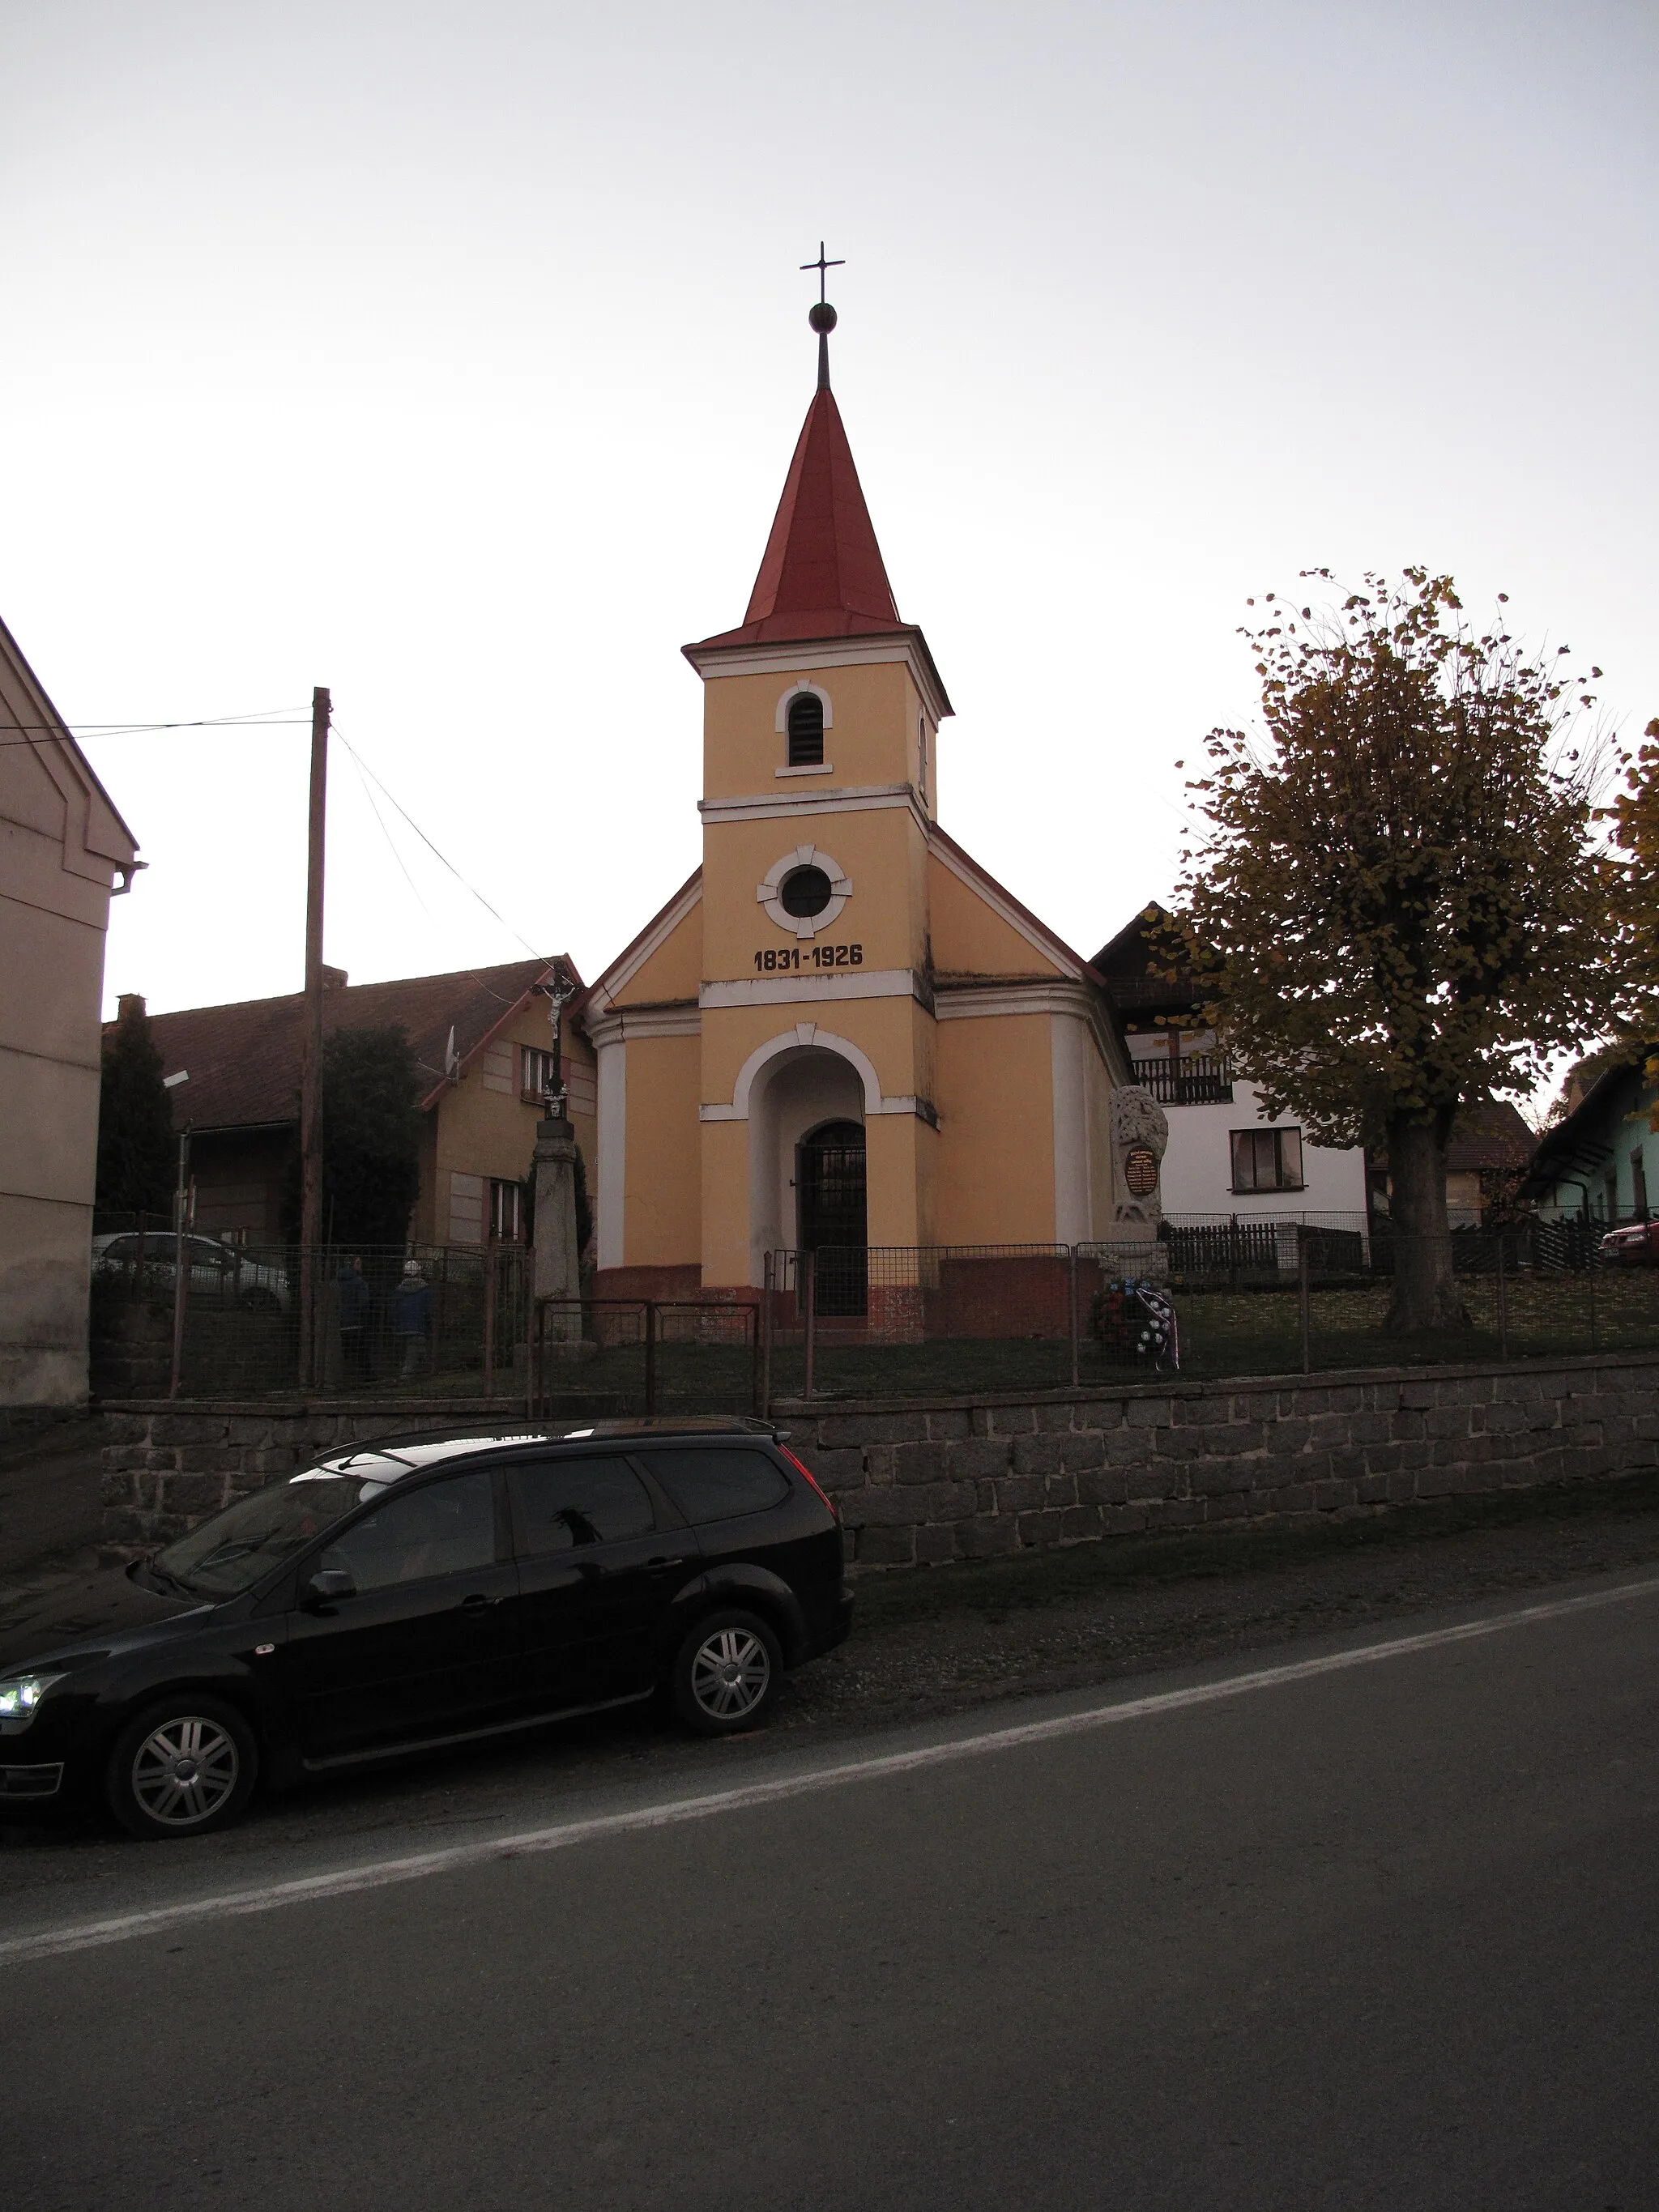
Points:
(841, 1033)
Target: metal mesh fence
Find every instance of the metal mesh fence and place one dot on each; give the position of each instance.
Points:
(631, 1356)
(1205, 1299)
(442, 1321)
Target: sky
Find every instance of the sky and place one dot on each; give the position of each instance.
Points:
(452, 355)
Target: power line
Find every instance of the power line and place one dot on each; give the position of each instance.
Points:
(272, 718)
(392, 800)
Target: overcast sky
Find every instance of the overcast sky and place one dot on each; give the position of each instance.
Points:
(453, 356)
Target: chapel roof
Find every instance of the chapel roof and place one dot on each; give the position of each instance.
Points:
(821, 574)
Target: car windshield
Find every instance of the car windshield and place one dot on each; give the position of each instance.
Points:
(235, 1547)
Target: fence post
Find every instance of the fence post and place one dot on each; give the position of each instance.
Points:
(1503, 1303)
(1304, 1315)
(650, 1359)
(809, 1261)
(1070, 1307)
(768, 1275)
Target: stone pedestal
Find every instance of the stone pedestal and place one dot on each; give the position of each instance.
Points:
(1141, 1132)
(556, 1272)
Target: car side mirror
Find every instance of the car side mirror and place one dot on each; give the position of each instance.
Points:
(326, 1587)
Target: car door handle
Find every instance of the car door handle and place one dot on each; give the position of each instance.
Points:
(477, 1601)
(662, 1560)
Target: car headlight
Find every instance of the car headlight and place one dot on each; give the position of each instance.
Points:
(19, 1696)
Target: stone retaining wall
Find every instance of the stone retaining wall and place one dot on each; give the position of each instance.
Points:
(167, 1466)
(927, 1483)
(918, 1484)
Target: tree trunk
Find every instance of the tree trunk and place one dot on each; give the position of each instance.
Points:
(1425, 1291)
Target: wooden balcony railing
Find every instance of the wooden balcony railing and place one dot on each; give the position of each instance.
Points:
(1200, 1081)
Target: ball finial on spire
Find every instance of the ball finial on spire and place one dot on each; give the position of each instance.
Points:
(821, 316)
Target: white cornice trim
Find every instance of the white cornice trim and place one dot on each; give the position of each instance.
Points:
(855, 798)
(808, 653)
(621, 1024)
(796, 990)
(1002, 905)
(962, 1002)
(812, 768)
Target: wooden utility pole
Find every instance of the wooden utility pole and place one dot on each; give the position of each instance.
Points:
(311, 1064)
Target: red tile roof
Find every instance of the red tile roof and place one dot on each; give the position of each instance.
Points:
(822, 574)
(244, 1060)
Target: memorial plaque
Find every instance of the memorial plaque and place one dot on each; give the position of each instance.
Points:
(1140, 1170)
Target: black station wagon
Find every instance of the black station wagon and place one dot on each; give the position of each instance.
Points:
(417, 1592)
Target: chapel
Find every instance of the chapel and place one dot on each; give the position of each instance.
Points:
(841, 1032)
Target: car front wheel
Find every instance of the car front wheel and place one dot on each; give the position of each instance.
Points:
(185, 1765)
(726, 1674)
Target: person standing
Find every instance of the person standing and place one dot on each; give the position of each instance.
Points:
(354, 1320)
(412, 1316)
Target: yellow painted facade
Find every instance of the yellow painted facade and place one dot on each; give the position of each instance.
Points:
(917, 1003)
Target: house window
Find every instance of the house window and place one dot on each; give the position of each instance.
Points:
(1267, 1159)
(506, 1212)
(806, 727)
(537, 1071)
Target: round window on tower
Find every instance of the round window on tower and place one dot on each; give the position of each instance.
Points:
(805, 892)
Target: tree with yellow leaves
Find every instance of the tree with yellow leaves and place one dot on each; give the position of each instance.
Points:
(1398, 900)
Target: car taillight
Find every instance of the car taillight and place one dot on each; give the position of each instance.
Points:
(801, 1468)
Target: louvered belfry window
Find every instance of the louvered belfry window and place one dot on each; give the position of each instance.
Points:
(806, 730)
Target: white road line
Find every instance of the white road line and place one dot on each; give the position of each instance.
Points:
(87, 1934)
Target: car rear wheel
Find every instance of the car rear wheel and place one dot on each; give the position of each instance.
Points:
(186, 1766)
(726, 1674)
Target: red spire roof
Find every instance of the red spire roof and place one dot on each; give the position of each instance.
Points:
(822, 574)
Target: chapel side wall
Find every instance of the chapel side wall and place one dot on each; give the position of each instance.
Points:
(1101, 1195)
(995, 1181)
(662, 1196)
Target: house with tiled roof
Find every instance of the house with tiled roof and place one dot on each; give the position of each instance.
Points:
(1228, 1159)
(481, 1042)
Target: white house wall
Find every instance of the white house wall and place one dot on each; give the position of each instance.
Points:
(1198, 1167)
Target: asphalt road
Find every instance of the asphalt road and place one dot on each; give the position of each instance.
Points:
(1369, 1922)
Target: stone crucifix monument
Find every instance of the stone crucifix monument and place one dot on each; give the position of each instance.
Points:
(1141, 1132)
(556, 1261)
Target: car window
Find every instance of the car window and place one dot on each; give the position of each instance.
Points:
(718, 1482)
(443, 1528)
(232, 1549)
(559, 1504)
(124, 1248)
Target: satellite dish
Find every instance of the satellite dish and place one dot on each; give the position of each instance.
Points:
(452, 1058)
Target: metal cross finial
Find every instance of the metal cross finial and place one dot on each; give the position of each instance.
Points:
(821, 265)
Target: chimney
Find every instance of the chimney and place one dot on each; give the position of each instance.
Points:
(129, 1003)
(334, 979)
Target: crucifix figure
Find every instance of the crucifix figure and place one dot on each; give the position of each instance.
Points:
(558, 994)
(822, 315)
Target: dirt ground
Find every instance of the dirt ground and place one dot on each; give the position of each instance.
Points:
(935, 1640)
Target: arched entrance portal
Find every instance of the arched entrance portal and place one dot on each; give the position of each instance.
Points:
(832, 1214)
